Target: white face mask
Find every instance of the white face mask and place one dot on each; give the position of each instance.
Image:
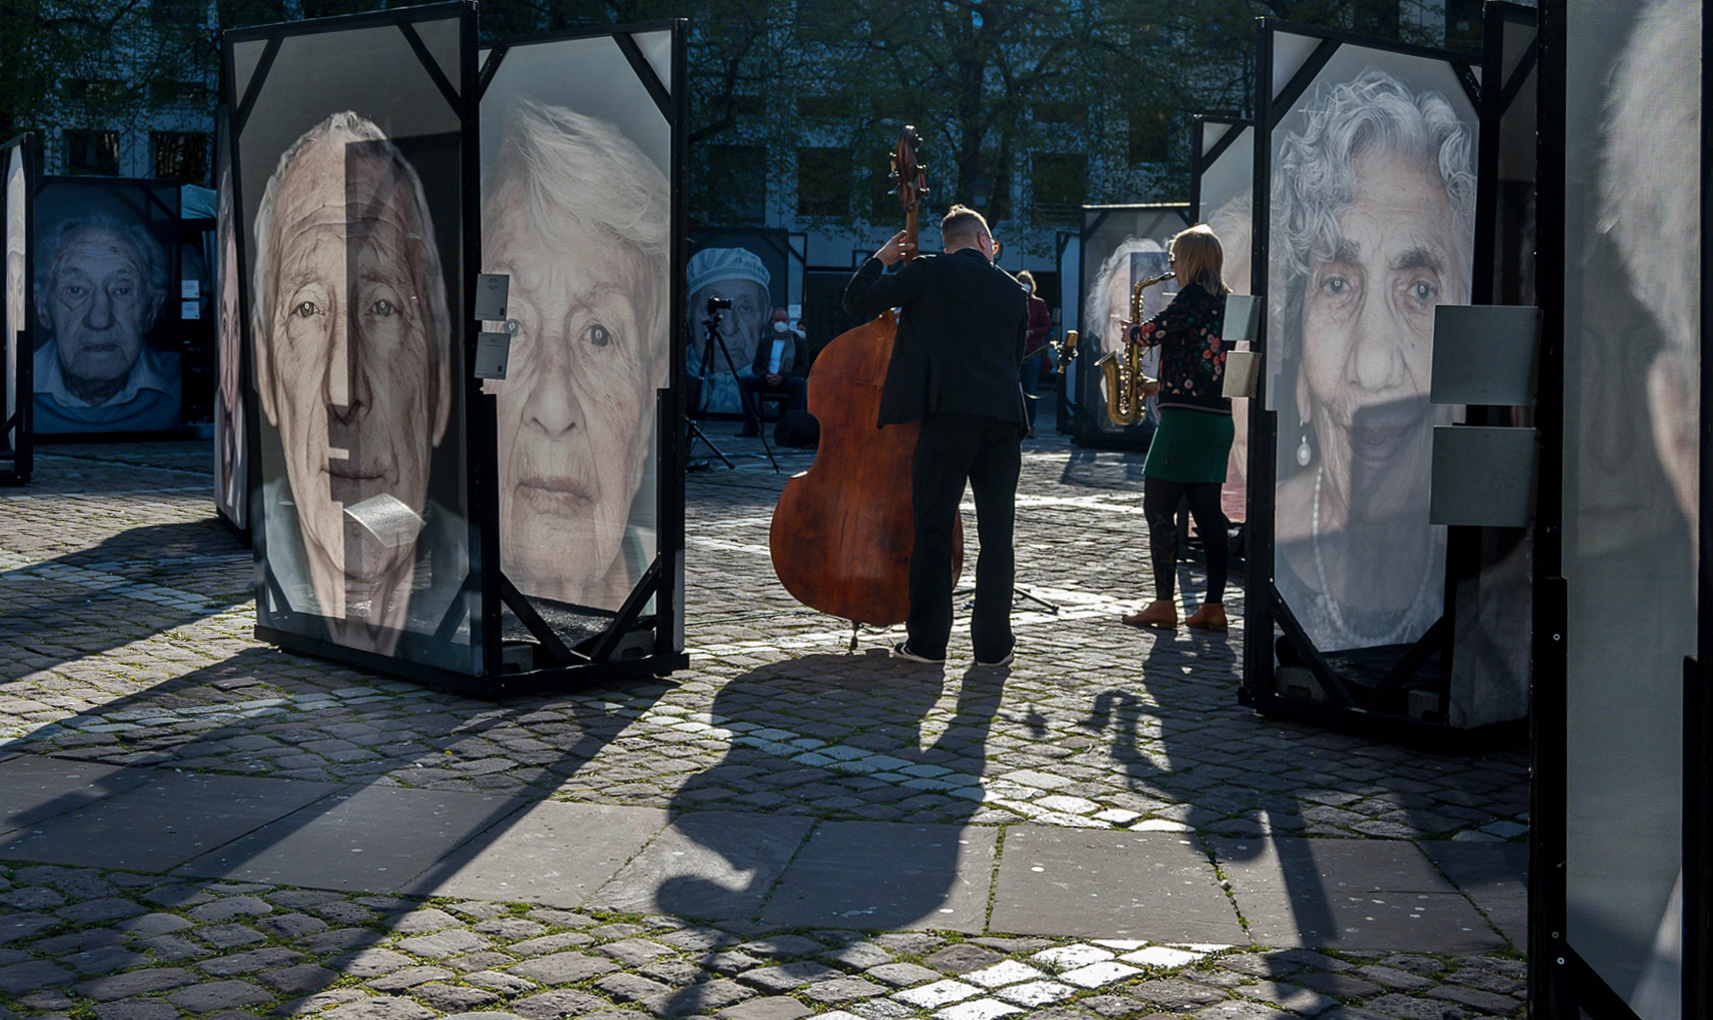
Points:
(781, 327)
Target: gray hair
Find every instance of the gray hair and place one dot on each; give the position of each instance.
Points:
(1649, 196)
(567, 167)
(350, 129)
(1314, 176)
(152, 259)
(1095, 308)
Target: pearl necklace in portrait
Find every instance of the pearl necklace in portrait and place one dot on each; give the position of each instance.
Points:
(1396, 634)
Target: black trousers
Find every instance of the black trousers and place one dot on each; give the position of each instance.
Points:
(985, 452)
(1160, 506)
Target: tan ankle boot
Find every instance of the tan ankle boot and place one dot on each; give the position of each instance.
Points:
(1211, 616)
(1161, 613)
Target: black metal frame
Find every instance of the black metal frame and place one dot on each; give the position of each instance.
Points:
(553, 664)
(19, 419)
(1128, 437)
(1347, 704)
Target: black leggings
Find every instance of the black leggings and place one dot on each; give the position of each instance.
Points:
(1160, 505)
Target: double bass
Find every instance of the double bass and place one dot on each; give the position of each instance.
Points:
(842, 531)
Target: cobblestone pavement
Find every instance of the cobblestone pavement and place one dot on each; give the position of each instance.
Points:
(125, 619)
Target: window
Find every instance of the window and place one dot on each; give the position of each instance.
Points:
(1061, 186)
(1060, 113)
(732, 189)
(1150, 138)
(92, 152)
(182, 156)
(823, 182)
(824, 107)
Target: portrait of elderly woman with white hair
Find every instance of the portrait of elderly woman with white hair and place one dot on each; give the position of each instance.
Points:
(1106, 306)
(580, 219)
(1373, 196)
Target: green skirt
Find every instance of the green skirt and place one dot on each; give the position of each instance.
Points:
(1189, 446)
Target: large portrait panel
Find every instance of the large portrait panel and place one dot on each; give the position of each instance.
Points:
(736, 278)
(577, 211)
(231, 479)
(1122, 247)
(1371, 221)
(1224, 190)
(350, 203)
(109, 342)
(13, 438)
(1632, 282)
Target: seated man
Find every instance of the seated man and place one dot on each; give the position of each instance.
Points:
(781, 366)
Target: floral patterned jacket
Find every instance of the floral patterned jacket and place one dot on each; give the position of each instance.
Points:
(1192, 358)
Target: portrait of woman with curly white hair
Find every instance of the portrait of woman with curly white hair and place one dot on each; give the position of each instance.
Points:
(1372, 226)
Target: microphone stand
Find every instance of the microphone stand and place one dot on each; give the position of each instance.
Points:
(710, 325)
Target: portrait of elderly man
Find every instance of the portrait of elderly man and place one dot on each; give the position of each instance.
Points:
(739, 276)
(229, 469)
(577, 407)
(351, 332)
(1373, 196)
(99, 285)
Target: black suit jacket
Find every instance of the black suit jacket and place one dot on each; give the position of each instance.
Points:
(960, 336)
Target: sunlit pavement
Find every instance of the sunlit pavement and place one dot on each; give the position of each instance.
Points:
(192, 823)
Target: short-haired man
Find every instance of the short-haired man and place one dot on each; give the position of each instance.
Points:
(99, 285)
(351, 329)
(954, 368)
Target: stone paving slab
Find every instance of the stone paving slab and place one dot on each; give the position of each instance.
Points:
(165, 822)
(36, 789)
(889, 876)
(1157, 886)
(1351, 894)
(368, 839)
(552, 853)
(1495, 876)
(716, 865)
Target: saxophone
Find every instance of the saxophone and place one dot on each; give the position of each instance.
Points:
(1123, 367)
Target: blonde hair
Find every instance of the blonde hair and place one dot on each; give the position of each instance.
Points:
(1198, 257)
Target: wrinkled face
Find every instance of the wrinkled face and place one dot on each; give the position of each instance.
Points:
(353, 381)
(99, 304)
(1368, 334)
(740, 325)
(577, 406)
(1117, 310)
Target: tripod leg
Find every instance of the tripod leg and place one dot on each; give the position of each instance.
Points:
(745, 399)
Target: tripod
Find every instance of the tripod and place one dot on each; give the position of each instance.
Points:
(711, 337)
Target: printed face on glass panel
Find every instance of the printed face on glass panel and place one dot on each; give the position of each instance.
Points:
(348, 367)
(1368, 310)
(99, 301)
(576, 409)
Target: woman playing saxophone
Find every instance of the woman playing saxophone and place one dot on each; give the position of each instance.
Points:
(1186, 459)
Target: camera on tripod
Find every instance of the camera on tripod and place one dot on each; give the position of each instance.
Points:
(717, 302)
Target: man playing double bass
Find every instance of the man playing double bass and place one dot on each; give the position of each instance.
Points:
(954, 367)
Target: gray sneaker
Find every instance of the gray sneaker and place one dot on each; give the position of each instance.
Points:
(901, 650)
(1004, 660)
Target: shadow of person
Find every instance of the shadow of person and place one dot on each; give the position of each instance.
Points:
(843, 800)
